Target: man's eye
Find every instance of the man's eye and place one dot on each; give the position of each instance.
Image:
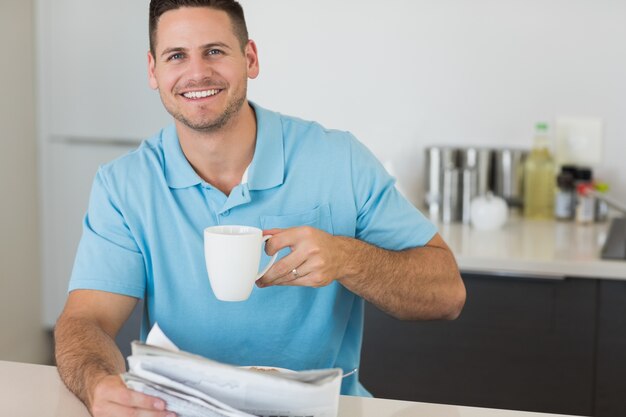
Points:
(175, 57)
(214, 52)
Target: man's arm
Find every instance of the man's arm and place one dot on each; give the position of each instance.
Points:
(415, 284)
(88, 359)
(420, 283)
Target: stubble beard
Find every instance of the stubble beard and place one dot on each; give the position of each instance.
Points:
(210, 125)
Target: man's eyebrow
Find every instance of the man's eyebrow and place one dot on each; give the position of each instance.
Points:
(168, 51)
(210, 45)
(216, 44)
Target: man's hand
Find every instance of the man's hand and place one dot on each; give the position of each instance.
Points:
(316, 259)
(111, 398)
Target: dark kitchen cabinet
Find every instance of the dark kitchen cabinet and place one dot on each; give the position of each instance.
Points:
(611, 350)
(520, 343)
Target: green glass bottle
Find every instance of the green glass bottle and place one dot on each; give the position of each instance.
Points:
(539, 177)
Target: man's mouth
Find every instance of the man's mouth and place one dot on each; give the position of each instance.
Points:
(195, 95)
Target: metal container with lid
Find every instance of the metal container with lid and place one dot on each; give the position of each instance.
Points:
(442, 181)
(508, 175)
(476, 169)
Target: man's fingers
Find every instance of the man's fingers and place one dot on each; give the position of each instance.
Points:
(313, 279)
(134, 399)
(282, 269)
(113, 389)
(309, 274)
(297, 278)
(272, 231)
(278, 241)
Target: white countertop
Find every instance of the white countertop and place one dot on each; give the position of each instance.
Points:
(533, 248)
(36, 391)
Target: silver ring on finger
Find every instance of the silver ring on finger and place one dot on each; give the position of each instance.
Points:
(294, 273)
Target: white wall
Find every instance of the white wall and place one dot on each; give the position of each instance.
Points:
(405, 74)
(21, 332)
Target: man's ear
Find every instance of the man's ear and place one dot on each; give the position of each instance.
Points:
(151, 77)
(252, 56)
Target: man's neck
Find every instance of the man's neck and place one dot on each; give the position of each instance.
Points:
(221, 157)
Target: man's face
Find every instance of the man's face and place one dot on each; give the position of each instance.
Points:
(199, 68)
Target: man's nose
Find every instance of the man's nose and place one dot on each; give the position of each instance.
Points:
(199, 68)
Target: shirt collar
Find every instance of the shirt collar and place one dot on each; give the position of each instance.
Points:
(266, 170)
(178, 171)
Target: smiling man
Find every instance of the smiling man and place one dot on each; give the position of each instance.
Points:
(344, 233)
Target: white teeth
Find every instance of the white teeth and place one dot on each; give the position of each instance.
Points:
(201, 94)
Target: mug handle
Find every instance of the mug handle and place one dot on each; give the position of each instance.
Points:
(270, 263)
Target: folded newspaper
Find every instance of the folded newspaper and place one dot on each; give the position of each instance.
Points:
(194, 386)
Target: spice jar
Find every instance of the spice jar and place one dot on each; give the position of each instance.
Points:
(585, 203)
(565, 197)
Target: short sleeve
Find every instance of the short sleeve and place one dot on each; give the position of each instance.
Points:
(384, 217)
(108, 258)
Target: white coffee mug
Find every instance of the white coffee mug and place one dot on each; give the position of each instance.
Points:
(232, 255)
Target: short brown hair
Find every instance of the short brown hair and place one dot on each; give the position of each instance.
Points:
(231, 7)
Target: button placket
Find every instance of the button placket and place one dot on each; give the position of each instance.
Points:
(238, 196)
(211, 197)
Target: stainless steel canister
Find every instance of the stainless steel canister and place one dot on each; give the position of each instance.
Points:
(509, 175)
(450, 198)
(476, 165)
(442, 183)
(433, 177)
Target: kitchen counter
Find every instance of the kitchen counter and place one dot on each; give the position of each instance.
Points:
(36, 391)
(533, 248)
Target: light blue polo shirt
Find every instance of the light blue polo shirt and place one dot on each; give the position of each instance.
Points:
(143, 237)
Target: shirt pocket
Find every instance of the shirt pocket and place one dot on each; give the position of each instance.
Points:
(318, 218)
